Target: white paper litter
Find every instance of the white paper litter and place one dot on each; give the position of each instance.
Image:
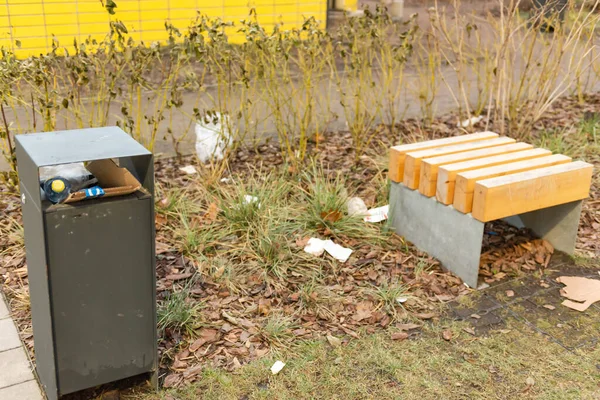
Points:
(402, 299)
(470, 122)
(356, 206)
(250, 199)
(190, 170)
(377, 214)
(317, 247)
(277, 367)
(225, 180)
(336, 251)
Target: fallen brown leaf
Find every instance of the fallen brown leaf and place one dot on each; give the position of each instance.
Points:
(331, 216)
(212, 212)
(162, 248)
(111, 395)
(192, 372)
(444, 297)
(302, 242)
(178, 364)
(235, 364)
(219, 272)
(264, 306)
(425, 315)
(229, 318)
(363, 311)
(407, 327)
(206, 335)
(177, 277)
(447, 335)
(172, 380)
(399, 335)
(470, 331)
(333, 341)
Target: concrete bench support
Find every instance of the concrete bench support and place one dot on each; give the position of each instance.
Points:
(455, 238)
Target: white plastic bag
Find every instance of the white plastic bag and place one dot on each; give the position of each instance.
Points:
(212, 137)
(75, 173)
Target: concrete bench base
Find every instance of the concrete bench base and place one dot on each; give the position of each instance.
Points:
(455, 238)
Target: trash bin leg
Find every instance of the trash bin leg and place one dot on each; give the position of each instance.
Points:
(450, 236)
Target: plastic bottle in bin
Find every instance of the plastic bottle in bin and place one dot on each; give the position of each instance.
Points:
(56, 190)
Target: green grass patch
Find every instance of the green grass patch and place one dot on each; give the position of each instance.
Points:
(499, 366)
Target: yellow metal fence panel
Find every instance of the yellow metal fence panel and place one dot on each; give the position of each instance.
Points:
(34, 24)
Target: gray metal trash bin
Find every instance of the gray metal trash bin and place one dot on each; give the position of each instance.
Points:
(91, 265)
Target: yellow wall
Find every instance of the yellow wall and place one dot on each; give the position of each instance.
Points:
(33, 22)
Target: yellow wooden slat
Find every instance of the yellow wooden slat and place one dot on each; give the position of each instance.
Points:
(412, 162)
(465, 181)
(397, 153)
(447, 173)
(430, 166)
(519, 193)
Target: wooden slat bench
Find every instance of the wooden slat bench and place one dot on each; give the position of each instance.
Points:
(444, 190)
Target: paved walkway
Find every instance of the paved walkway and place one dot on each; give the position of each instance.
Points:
(17, 381)
(536, 301)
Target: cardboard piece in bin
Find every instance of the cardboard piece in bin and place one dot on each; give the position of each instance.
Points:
(113, 180)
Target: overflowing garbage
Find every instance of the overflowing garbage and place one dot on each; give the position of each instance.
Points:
(59, 181)
(69, 183)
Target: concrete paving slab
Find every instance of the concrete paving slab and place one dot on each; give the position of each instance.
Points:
(23, 391)
(9, 337)
(4, 313)
(15, 368)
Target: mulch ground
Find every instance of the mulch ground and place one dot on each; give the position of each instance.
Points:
(233, 329)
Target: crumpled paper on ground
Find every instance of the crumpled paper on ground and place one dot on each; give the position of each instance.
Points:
(377, 214)
(470, 122)
(356, 206)
(277, 367)
(189, 169)
(317, 247)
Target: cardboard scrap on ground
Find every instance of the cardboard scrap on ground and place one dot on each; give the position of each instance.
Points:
(377, 214)
(584, 292)
(317, 246)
